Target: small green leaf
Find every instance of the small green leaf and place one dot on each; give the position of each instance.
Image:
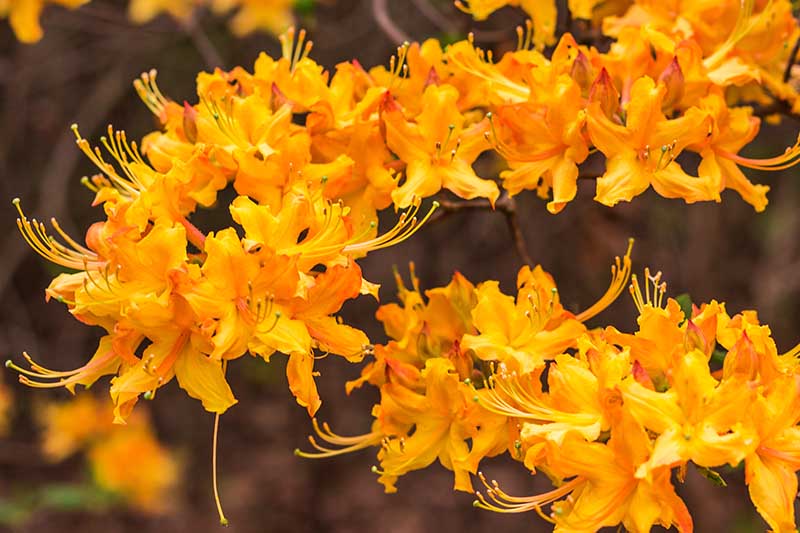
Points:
(451, 37)
(304, 7)
(685, 301)
(719, 354)
(712, 475)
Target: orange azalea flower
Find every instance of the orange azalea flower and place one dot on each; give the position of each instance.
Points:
(604, 489)
(698, 419)
(524, 333)
(733, 129)
(427, 410)
(70, 426)
(141, 11)
(642, 152)
(24, 16)
(275, 16)
(543, 15)
(144, 482)
(438, 148)
(771, 468)
(553, 144)
(581, 399)
(125, 460)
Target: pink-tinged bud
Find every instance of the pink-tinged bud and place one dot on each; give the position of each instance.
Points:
(604, 92)
(356, 63)
(582, 71)
(279, 99)
(404, 374)
(672, 78)
(189, 122)
(641, 376)
(94, 237)
(695, 339)
(433, 78)
(742, 360)
(461, 360)
(389, 103)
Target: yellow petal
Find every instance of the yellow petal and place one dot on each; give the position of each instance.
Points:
(203, 379)
(623, 179)
(773, 489)
(300, 373)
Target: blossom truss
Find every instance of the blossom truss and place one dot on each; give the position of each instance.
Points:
(274, 16)
(669, 83)
(126, 461)
(443, 342)
(177, 302)
(611, 418)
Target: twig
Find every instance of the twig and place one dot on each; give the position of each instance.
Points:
(434, 15)
(780, 107)
(787, 73)
(380, 9)
(64, 158)
(509, 209)
(203, 44)
(505, 205)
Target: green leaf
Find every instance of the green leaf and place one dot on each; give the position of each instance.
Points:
(304, 7)
(685, 301)
(719, 354)
(451, 37)
(712, 475)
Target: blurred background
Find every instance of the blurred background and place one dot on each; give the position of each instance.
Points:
(81, 72)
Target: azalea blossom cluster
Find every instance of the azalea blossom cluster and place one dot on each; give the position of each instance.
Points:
(667, 84)
(127, 461)
(176, 302)
(274, 16)
(609, 417)
(311, 157)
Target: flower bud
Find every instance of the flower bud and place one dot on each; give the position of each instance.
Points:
(581, 71)
(603, 91)
(672, 78)
(189, 122)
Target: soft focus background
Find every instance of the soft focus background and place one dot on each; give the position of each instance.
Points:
(81, 72)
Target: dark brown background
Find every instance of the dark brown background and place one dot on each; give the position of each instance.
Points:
(81, 72)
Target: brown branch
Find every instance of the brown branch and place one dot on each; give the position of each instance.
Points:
(776, 107)
(787, 73)
(509, 209)
(434, 15)
(211, 56)
(380, 9)
(506, 205)
(64, 159)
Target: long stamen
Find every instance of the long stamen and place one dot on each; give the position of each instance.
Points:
(507, 395)
(525, 36)
(398, 67)
(148, 91)
(501, 502)
(222, 520)
(294, 50)
(743, 26)
(620, 272)
(478, 63)
(348, 444)
(75, 256)
(65, 378)
(404, 229)
(659, 290)
(793, 352)
(129, 185)
(789, 158)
